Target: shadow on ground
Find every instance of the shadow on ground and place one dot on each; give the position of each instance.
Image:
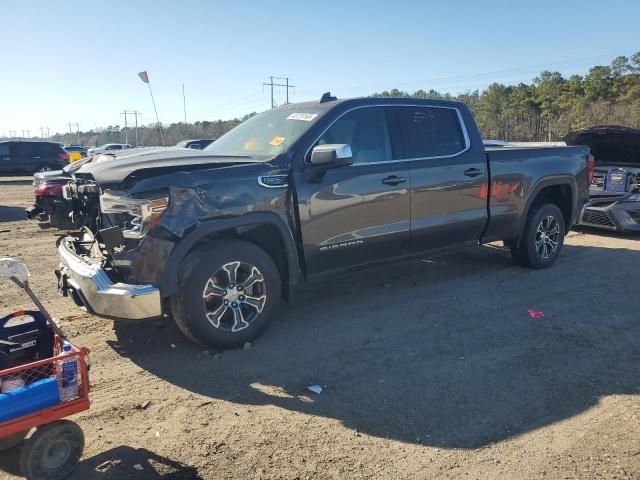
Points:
(11, 214)
(438, 352)
(117, 463)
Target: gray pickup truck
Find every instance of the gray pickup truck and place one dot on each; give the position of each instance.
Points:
(216, 238)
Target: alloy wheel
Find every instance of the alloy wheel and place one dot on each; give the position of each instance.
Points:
(234, 296)
(547, 237)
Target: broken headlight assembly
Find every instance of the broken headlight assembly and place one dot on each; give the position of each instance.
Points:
(143, 213)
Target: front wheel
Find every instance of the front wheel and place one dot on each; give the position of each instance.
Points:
(227, 292)
(542, 238)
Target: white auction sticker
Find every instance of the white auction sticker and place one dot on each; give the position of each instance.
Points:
(307, 117)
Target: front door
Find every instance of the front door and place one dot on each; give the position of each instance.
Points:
(356, 214)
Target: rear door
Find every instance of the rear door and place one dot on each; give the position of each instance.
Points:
(355, 214)
(448, 178)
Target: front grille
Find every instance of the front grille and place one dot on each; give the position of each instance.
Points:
(597, 217)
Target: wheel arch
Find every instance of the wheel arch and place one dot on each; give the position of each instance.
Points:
(265, 230)
(561, 191)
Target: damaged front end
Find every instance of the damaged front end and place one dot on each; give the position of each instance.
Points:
(85, 275)
(110, 267)
(117, 265)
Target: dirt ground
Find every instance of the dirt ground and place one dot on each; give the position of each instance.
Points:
(430, 369)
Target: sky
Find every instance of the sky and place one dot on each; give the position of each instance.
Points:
(77, 61)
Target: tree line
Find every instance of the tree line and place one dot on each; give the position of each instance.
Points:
(544, 110)
(150, 134)
(551, 106)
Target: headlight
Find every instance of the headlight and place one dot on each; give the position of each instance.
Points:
(144, 212)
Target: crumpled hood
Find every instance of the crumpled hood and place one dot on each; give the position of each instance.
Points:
(107, 169)
(609, 144)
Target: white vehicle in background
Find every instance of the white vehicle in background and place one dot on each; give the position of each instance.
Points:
(108, 148)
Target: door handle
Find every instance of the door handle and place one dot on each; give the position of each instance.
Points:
(473, 172)
(393, 180)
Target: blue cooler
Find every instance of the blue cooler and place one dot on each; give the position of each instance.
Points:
(616, 180)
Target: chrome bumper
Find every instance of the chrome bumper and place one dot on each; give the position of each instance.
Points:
(92, 288)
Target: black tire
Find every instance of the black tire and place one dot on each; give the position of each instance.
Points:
(531, 251)
(53, 451)
(7, 443)
(196, 309)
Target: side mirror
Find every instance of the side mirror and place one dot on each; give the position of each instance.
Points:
(332, 155)
(13, 269)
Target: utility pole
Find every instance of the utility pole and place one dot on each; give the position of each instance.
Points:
(48, 135)
(184, 105)
(41, 133)
(272, 84)
(12, 133)
(126, 132)
(77, 125)
(135, 114)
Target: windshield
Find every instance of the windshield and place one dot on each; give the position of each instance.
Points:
(267, 134)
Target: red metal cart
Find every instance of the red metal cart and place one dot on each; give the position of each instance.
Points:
(55, 446)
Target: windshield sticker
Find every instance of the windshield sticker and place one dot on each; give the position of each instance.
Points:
(307, 117)
(250, 144)
(275, 141)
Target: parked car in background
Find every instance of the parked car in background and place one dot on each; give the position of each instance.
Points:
(83, 151)
(218, 237)
(18, 156)
(615, 189)
(195, 144)
(108, 148)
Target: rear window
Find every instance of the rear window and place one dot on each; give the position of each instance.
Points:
(430, 131)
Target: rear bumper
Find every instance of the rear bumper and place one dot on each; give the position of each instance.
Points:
(612, 215)
(91, 287)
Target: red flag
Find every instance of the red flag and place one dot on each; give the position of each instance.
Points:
(144, 76)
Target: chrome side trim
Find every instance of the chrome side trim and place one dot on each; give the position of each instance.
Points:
(463, 128)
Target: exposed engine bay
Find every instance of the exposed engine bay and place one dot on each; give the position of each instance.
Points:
(615, 189)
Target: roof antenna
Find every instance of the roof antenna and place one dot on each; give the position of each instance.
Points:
(326, 97)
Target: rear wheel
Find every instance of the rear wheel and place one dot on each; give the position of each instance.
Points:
(542, 238)
(227, 291)
(53, 451)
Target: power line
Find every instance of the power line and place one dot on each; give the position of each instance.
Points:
(272, 84)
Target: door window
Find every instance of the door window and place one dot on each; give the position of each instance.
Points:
(4, 149)
(27, 150)
(430, 131)
(365, 130)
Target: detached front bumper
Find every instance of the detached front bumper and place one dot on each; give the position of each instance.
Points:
(612, 214)
(91, 287)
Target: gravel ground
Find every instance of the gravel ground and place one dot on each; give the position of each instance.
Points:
(430, 369)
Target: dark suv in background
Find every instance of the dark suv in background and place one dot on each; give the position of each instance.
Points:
(18, 156)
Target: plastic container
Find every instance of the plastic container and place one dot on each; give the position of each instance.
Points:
(28, 399)
(68, 375)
